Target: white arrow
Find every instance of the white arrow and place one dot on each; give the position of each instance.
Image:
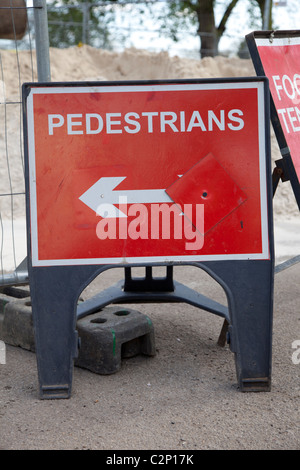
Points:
(102, 196)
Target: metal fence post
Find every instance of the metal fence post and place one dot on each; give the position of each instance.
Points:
(42, 40)
(20, 275)
(85, 22)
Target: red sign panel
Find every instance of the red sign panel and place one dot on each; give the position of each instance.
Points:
(145, 173)
(280, 58)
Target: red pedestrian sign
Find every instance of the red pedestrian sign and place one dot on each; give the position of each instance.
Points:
(277, 56)
(147, 172)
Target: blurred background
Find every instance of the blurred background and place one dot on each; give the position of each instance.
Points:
(188, 28)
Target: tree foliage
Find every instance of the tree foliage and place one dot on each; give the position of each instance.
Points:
(69, 25)
(72, 22)
(203, 13)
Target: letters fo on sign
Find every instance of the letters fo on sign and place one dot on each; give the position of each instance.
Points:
(139, 173)
(280, 59)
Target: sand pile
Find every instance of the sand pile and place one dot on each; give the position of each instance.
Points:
(87, 63)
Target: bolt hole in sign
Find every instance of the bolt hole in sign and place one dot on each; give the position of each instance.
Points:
(147, 172)
(276, 54)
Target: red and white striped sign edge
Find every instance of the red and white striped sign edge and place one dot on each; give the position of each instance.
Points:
(272, 41)
(65, 89)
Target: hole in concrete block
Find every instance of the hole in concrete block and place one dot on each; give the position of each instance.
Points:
(131, 348)
(99, 320)
(121, 313)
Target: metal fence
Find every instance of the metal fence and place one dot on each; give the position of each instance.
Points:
(33, 64)
(118, 25)
(144, 24)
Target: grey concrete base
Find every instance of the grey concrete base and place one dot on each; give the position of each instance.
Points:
(16, 326)
(105, 337)
(112, 334)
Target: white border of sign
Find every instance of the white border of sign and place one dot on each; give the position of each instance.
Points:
(135, 88)
(277, 41)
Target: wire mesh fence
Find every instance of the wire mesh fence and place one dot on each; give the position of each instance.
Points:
(118, 25)
(18, 31)
(145, 24)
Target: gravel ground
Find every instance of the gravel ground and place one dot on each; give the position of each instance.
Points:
(184, 398)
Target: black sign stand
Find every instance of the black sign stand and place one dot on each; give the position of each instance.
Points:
(248, 284)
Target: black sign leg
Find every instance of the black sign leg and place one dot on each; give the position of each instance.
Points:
(54, 294)
(249, 288)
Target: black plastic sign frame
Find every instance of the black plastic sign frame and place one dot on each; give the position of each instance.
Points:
(276, 55)
(55, 286)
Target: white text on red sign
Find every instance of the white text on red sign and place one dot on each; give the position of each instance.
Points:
(132, 122)
(289, 88)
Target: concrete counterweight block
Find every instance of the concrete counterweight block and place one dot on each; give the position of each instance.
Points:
(16, 325)
(105, 337)
(112, 334)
